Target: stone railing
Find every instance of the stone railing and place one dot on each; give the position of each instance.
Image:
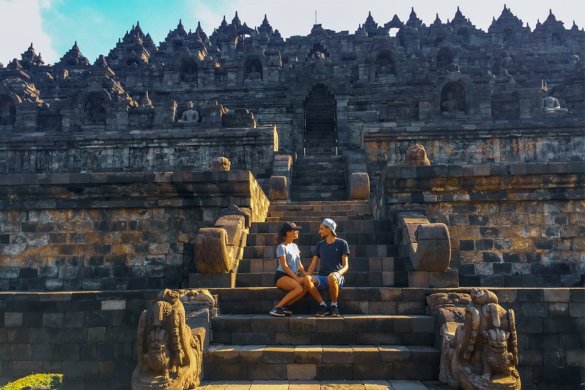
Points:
(429, 249)
(219, 249)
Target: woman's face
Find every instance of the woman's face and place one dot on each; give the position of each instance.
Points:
(292, 235)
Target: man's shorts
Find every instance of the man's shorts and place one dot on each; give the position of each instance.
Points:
(323, 283)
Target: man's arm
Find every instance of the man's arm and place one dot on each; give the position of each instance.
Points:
(344, 264)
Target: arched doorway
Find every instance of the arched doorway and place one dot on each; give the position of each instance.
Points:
(320, 120)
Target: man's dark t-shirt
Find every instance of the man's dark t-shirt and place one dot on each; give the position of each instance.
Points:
(330, 255)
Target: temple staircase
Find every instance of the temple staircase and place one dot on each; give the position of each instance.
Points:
(319, 176)
(383, 333)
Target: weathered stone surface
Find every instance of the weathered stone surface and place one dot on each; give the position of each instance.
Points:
(221, 164)
(169, 352)
(481, 353)
(417, 155)
(359, 186)
(278, 188)
(211, 251)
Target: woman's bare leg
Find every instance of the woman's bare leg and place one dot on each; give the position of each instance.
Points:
(293, 287)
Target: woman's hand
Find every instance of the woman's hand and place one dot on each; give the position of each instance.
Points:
(300, 280)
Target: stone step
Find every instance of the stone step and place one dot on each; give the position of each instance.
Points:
(352, 300)
(364, 384)
(311, 213)
(316, 218)
(317, 187)
(307, 329)
(373, 238)
(378, 250)
(321, 195)
(363, 226)
(349, 205)
(357, 264)
(320, 362)
(320, 181)
(354, 278)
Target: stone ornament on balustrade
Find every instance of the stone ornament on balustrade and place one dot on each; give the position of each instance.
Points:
(481, 353)
(169, 355)
(417, 155)
(221, 164)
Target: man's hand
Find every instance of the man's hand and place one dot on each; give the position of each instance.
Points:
(336, 275)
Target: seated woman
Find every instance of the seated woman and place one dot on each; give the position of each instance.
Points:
(289, 266)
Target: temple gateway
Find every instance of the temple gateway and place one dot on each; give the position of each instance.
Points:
(140, 194)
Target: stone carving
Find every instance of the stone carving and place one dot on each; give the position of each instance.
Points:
(481, 353)
(239, 117)
(221, 164)
(551, 104)
(190, 115)
(95, 110)
(169, 357)
(417, 155)
(218, 249)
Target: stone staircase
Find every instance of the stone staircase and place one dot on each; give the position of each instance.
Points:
(318, 177)
(383, 333)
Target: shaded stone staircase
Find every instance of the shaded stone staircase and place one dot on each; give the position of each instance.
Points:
(319, 177)
(383, 333)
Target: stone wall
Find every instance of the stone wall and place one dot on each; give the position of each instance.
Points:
(179, 148)
(551, 342)
(90, 336)
(112, 230)
(510, 224)
(545, 141)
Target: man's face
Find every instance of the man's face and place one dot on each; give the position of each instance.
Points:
(324, 231)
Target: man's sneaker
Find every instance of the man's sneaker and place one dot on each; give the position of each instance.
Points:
(323, 311)
(287, 311)
(277, 312)
(334, 311)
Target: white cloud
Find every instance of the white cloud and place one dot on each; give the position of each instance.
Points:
(20, 24)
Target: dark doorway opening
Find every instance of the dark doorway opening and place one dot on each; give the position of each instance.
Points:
(320, 121)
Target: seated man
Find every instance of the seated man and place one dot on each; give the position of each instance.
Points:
(333, 255)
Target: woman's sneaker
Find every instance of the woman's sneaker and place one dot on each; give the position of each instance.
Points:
(277, 312)
(287, 311)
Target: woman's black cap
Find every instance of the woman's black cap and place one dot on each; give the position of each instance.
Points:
(288, 226)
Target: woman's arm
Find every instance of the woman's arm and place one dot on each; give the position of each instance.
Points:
(287, 270)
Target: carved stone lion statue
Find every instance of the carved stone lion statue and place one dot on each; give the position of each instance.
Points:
(221, 164)
(417, 155)
(169, 357)
(481, 353)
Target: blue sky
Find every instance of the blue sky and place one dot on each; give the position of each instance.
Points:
(54, 25)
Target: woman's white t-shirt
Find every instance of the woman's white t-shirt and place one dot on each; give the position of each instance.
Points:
(292, 254)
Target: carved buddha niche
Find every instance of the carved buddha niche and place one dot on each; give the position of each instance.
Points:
(453, 100)
(188, 70)
(318, 52)
(253, 69)
(445, 57)
(94, 110)
(384, 65)
(7, 111)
